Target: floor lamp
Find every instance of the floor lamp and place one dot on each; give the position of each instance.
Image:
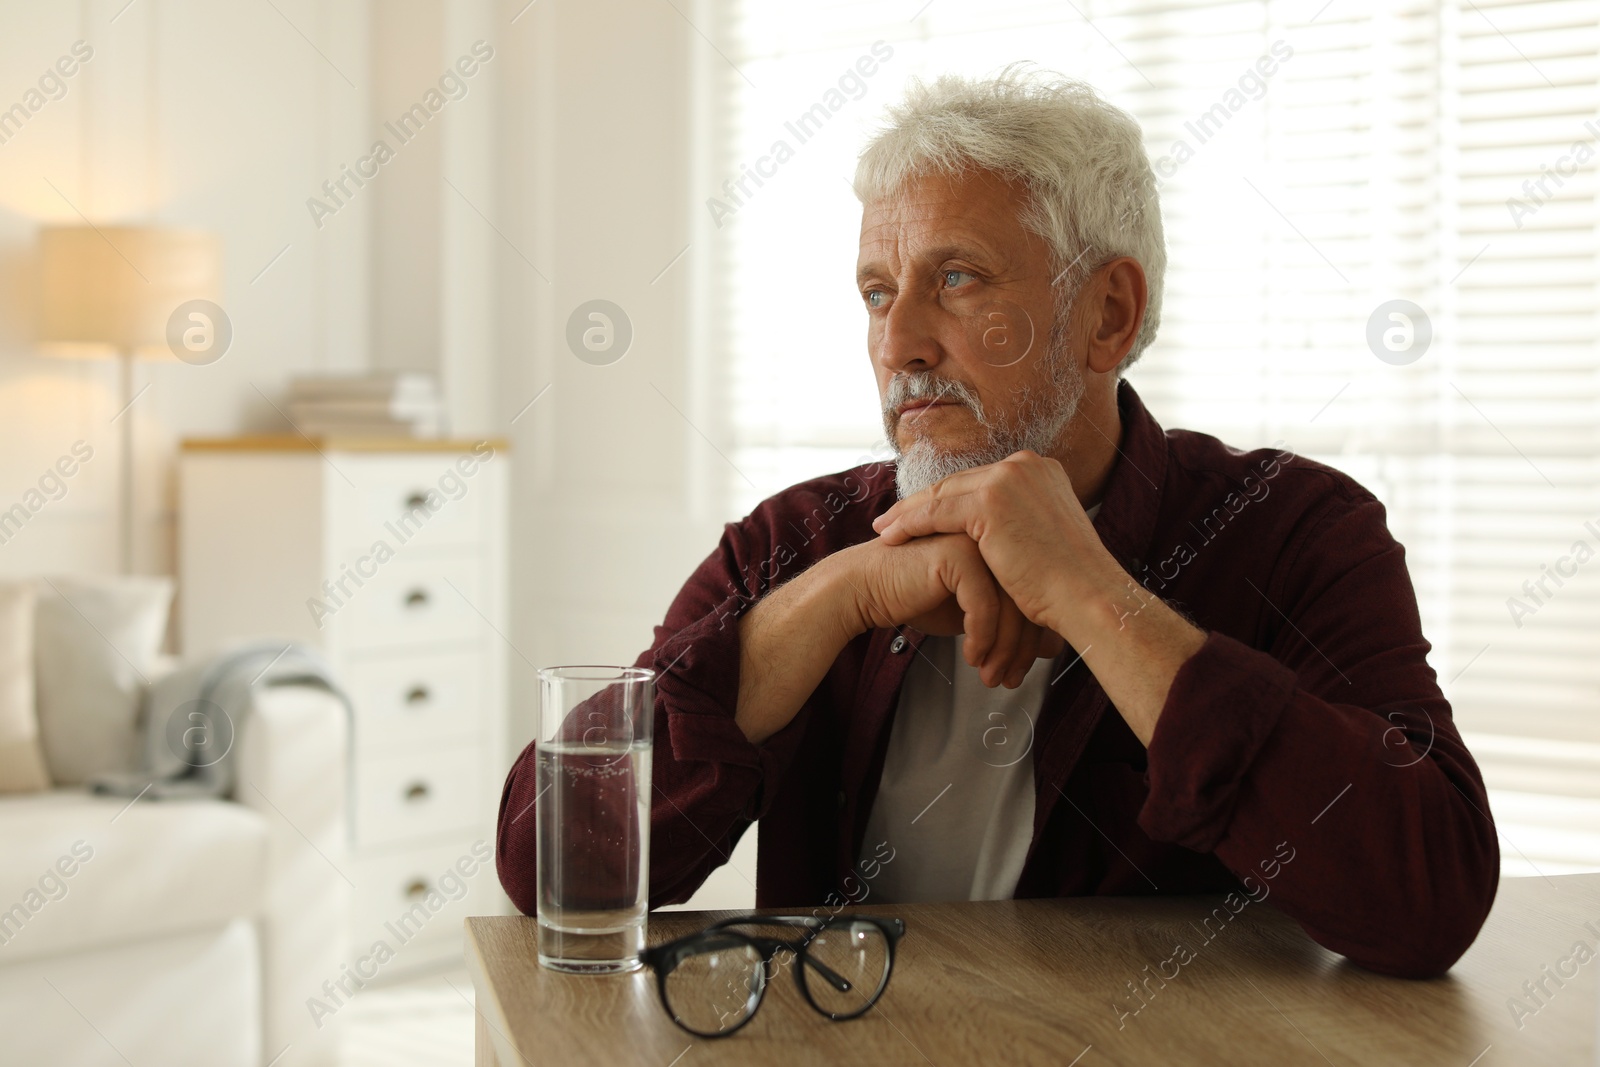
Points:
(112, 290)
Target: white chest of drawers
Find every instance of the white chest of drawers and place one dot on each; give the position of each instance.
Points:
(390, 558)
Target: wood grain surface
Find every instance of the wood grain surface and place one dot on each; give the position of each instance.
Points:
(1048, 982)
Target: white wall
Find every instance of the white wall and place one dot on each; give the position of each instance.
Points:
(594, 146)
(560, 177)
(610, 512)
(219, 116)
(568, 153)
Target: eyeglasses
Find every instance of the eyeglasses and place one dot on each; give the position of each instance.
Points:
(712, 982)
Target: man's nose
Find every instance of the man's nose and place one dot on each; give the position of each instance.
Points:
(908, 340)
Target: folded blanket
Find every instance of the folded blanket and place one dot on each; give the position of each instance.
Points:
(192, 717)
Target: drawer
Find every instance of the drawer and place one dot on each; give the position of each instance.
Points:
(408, 795)
(416, 699)
(410, 601)
(410, 502)
(391, 883)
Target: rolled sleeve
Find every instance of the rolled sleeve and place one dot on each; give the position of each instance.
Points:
(1223, 705)
(697, 679)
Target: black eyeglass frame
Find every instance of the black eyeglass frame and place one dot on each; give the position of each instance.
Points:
(665, 958)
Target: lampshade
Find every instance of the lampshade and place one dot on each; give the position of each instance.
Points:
(116, 286)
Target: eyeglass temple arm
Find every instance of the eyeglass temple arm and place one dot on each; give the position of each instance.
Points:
(896, 928)
(833, 977)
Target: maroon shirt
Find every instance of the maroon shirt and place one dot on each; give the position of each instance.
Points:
(1304, 755)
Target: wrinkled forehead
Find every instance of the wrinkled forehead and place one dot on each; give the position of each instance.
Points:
(936, 217)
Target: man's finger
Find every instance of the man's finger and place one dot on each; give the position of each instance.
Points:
(952, 513)
(955, 484)
(979, 596)
(1002, 658)
(1027, 652)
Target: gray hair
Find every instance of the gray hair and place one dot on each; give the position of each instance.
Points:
(1092, 195)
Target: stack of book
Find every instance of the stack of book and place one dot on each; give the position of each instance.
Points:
(381, 405)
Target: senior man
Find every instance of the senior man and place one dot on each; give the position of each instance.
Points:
(1054, 650)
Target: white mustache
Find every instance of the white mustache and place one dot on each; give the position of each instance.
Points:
(904, 388)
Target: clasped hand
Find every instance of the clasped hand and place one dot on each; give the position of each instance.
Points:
(995, 553)
(939, 584)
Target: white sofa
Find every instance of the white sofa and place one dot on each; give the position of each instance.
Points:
(182, 932)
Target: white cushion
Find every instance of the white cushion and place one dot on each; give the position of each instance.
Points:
(191, 1000)
(79, 870)
(21, 758)
(95, 642)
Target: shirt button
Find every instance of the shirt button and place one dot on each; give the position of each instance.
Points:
(897, 645)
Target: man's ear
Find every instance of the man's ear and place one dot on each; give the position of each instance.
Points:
(1114, 300)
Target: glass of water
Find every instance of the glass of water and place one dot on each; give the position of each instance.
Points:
(593, 756)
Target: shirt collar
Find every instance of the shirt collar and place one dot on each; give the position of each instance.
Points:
(1126, 521)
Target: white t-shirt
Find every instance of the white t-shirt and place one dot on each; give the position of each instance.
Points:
(955, 803)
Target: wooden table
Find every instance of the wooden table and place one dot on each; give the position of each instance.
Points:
(1040, 981)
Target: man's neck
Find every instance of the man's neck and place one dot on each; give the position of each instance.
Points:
(1094, 438)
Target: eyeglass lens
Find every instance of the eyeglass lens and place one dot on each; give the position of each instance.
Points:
(716, 987)
(855, 951)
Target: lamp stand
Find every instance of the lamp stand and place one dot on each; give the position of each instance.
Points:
(125, 487)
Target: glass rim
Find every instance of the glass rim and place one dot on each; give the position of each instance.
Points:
(571, 673)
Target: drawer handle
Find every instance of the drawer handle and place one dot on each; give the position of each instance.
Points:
(417, 598)
(415, 501)
(418, 694)
(417, 889)
(416, 792)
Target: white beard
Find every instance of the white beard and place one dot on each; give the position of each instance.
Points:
(1042, 419)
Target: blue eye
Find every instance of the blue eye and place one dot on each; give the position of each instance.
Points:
(875, 298)
(952, 278)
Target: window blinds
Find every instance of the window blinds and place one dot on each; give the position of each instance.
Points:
(1442, 154)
